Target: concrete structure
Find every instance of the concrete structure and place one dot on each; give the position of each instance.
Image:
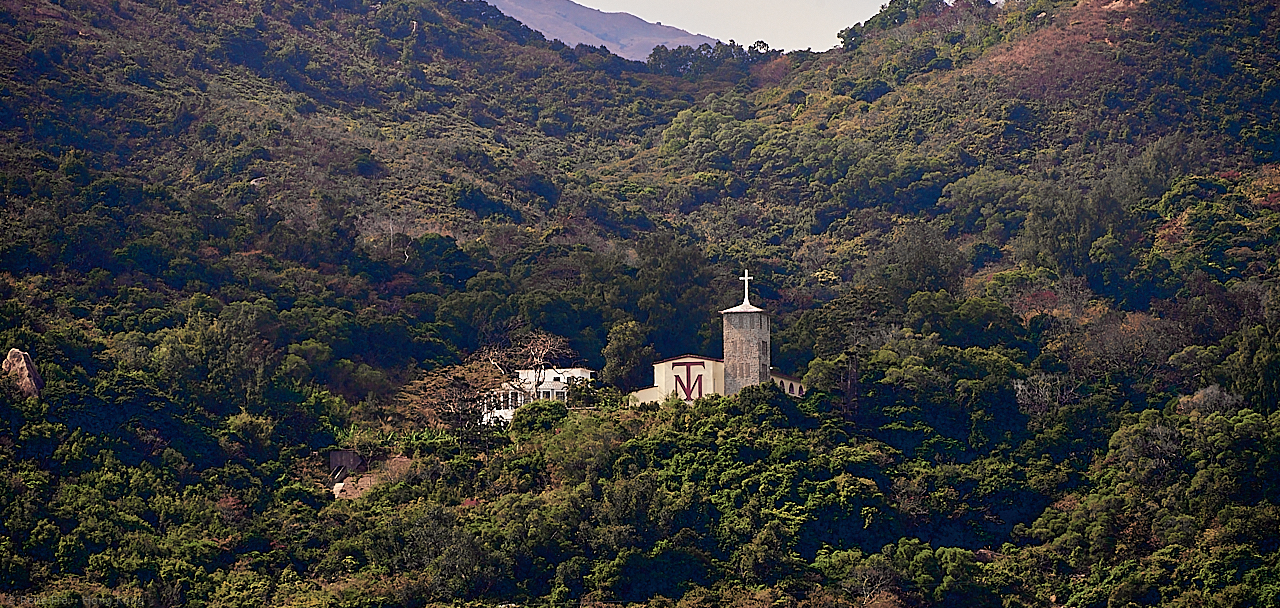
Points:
(343, 463)
(746, 343)
(532, 385)
(790, 385)
(746, 361)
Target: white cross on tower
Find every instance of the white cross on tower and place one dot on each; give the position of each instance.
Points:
(746, 286)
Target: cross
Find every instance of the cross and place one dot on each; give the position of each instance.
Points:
(746, 285)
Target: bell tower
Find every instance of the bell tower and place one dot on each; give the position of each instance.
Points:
(746, 343)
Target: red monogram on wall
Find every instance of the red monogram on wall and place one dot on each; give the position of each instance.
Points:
(688, 383)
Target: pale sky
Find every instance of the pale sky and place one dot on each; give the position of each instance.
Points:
(784, 24)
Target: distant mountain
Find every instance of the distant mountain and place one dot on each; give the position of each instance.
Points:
(625, 34)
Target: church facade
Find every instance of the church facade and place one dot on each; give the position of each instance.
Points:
(746, 361)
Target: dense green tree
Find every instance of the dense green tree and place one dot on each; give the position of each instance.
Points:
(626, 356)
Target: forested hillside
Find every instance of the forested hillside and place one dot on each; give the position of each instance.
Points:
(1026, 256)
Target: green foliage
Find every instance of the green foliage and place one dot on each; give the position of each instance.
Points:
(707, 59)
(538, 417)
(625, 355)
(1026, 254)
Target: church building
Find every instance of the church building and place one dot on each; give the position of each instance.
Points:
(745, 363)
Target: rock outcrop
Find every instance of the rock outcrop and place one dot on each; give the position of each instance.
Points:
(20, 365)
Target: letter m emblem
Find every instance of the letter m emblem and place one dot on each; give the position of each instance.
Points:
(688, 384)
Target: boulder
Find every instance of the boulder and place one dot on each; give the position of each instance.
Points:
(19, 364)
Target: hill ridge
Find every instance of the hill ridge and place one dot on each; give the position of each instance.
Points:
(623, 33)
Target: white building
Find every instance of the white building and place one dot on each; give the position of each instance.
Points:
(691, 377)
(532, 385)
(746, 361)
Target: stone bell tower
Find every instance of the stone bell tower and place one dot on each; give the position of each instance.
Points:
(746, 343)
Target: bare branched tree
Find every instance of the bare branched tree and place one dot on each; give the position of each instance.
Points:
(459, 395)
(1134, 343)
(455, 396)
(872, 585)
(391, 234)
(536, 350)
(1042, 393)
